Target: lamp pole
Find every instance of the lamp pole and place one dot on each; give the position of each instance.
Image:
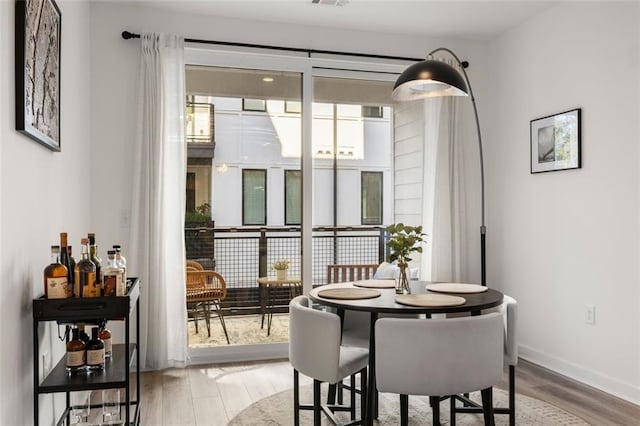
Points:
(483, 229)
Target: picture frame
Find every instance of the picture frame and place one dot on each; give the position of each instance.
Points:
(555, 142)
(38, 30)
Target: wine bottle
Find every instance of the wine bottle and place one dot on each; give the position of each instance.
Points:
(95, 351)
(64, 259)
(93, 255)
(85, 274)
(56, 284)
(72, 262)
(75, 352)
(113, 276)
(105, 335)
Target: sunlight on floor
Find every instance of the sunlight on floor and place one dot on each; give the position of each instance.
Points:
(242, 329)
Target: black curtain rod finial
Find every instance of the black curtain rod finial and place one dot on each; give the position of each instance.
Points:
(129, 35)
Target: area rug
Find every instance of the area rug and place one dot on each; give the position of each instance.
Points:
(278, 410)
(242, 330)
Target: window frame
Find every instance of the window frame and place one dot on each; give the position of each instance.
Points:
(264, 221)
(362, 198)
(286, 221)
(244, 105)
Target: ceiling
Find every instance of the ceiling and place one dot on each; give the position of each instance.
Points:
(475, 19)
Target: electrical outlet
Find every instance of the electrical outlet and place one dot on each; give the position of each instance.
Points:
(590, 314)
(46, 363)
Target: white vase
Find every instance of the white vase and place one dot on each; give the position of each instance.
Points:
(281, 274)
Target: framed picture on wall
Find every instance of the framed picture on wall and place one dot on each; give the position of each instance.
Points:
(37, 49)
(555, 142)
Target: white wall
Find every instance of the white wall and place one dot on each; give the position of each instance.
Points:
(560, 240)
(43, 193)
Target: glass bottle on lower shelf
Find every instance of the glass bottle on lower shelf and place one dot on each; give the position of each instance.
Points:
(105, 335)
(95, 352)
(75, 353)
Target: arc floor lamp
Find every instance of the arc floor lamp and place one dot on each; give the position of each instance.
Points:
(432, 78)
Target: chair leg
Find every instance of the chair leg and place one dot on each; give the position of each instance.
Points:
(331, 394)
(296, 398)
(316, 402)
(206, 312)
(363, 392)
(435, 408)
(512, 395)
(452, 410)
(352, 396)
(404, 410)
(487, 406)
(340, 392)
(224, 325)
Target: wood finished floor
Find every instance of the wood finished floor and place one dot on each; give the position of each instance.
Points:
(213, 394)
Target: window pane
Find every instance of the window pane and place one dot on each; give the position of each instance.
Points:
(372, 198)
(292, 197)
(254, 197)
(254, 105)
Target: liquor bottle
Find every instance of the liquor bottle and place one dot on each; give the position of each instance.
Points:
(64, 259)
(95, 351)
(122, 262)
(105, 335)
(113, 277)
(93, 255)
(56, 284)
(82, 334)
(85, 274)
(72, 261)
(75, 352)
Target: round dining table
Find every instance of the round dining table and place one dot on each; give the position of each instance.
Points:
(386, 304)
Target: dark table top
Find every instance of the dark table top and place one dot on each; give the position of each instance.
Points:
(386, 302)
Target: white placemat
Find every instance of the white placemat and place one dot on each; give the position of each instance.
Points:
(375, 283)
(429, 300)
(456, 288)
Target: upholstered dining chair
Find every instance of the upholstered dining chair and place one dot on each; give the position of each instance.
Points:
(315, 351)
(206, 290)
(509, 311)
(439, 357)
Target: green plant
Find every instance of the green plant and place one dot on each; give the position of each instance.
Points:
(403, 241)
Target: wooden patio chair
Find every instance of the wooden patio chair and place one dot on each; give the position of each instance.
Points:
(195, 265)
(206, 289)
(351, 272)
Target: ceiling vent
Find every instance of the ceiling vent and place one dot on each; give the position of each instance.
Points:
(331, 2)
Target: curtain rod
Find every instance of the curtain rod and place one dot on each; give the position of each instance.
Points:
(129, 35)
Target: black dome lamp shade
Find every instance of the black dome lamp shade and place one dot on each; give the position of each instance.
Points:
(428, 79)
(431, 78)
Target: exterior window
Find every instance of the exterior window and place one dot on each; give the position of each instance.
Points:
(200, 123)
(371, 192)
(254, 197)
(292, 197)
(254, 105)
(293, 107)
(372, 111)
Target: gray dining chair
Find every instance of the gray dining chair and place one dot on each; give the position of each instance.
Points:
(439, 357)
(509, 311)
(315, 351)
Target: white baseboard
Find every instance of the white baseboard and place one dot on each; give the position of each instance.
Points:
(624, 390)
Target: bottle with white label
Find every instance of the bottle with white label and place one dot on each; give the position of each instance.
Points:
(95, 351)
(75, 352)
(113, 276)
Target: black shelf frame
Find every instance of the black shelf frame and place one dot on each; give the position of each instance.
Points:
(117, 372)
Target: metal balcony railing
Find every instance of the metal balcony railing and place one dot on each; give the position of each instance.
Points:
(242, 255)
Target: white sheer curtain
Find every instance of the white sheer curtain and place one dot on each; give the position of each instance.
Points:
(443, 201)
(157, 253)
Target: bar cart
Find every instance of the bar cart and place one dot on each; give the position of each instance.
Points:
(116, 373)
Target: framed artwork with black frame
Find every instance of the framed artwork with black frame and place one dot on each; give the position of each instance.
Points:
(555, 142)
(37, 70)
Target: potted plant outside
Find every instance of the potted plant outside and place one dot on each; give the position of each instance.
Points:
(281, 267)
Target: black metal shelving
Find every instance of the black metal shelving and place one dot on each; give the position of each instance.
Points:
(117, 372)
